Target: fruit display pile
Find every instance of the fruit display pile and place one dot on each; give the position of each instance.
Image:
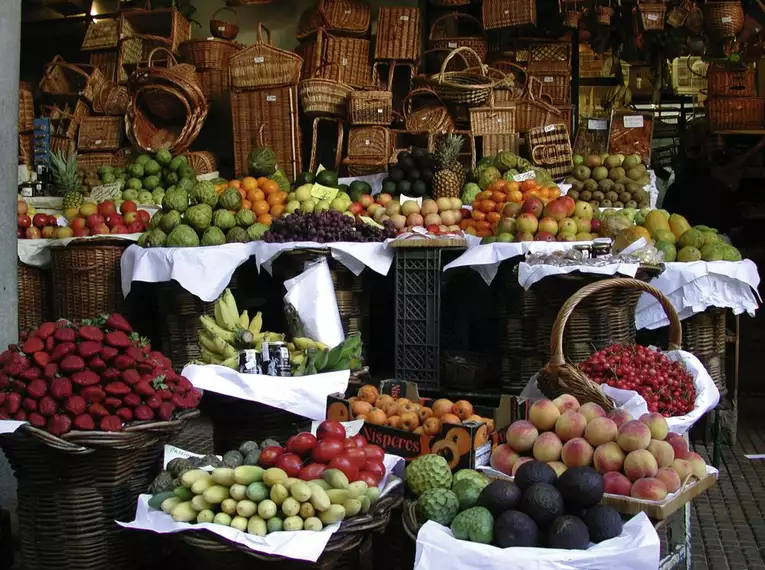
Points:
(412, 175)
(666, 386)
(637, 458)
(228, 331)
(437, 216)
(327, 227)
(310, 483)
(538, 509)
(303, 200)
(106, 218)
(505, 166)
(609, 181)
(148, 178)
(89, 375)
(36, 226)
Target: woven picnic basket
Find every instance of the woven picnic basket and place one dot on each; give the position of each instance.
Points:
(374, 107)
(493, 120)
(398, 33)
(508, 13)
(101, 34)
(223, 29)
(350, 54)
(651, 15)
(369, 143)
(339, 17)
(165, 27)
(112, 99)
(431, 117)
(471, 86)
(208, 53)
(724, 81)
(33, 287)
(263, 66)
(723, 20)
(457, 29)
(732, 113)
(324, 97)
(551, 148)
(532, 110)
(100, 133)
(69, 80)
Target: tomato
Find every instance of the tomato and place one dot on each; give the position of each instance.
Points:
(301, 444)
(359, 440)
(484, 195)
(493, 217)
(477, 215)
(290, 463)
(329, 429)
(374, 452)
(327, 449)
(357, 456)
(375, 467)
(369, 478)
(269, 455)
(346, 465)
(312, 471)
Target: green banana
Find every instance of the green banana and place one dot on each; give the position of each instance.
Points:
(321, 345)
(343, 364)
(300, 371)
(206, 340)
(256, 324)
(304, 343)
(244, 320)
(210, 326)
(320, 360)
(297, 358)
(232, 362)
(210, 357)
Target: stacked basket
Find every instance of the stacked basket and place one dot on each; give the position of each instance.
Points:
(732, 102)
(26, 122)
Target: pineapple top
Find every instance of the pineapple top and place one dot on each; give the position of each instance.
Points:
(64, 171)
(447, 150)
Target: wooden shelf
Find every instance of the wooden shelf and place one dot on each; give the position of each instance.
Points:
(760, 132)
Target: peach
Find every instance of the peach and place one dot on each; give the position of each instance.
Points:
(462, 409)
(376, 416)
(608, 457)
(369, 393)
(634, 435)
(697, 462)
(503, 458)
(683, 468)
(591, 410)
(450, 419)
(566, 402)
(619, 416)
(649, 489)
(657, 424)
(616, 483)
(547, 447)
(359, 407)
(424, 414)
(519, 462)
(431, 425)
(392, 409)
(558, 466)
(441, 407)
(662, 451)
(678, 443)
(569, 425)
(577, 452)
(543, 414)
(600, 431)
(521, 435)
(669, 477)
(640, 463)
(410, 421)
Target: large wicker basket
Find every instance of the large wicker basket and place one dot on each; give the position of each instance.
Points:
(33, 296)
(341, 17)
(398, 33)
(443, 36)
(324, 97)
(179, 312)
(263, 66)
(731, 113)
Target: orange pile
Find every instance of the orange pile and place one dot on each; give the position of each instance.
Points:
(261, 195)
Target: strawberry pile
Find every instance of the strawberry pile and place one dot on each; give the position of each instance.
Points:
(666, 386)
(91, 375)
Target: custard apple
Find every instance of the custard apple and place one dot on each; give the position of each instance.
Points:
(428, 472)
(438, 505)
(475, 525)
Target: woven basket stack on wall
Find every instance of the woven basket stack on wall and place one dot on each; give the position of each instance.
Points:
(733, 102)
(211, 56)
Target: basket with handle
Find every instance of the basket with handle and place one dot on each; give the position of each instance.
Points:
(470, 86)
(549, 56)
(351, 54)
(724, 81)
(731, 113)
(223, 29)
(113, 99)
(651, 15)
(532, 111)
(440, 35)
(33, 295)
(560, 377)
(100, 133)
(370, 107)
(398, 33)
(493, 120)
(723, 20)
(370, 143)
(94, 160)
(511, 88)
(508, 13)
(427, 118)
(555, 84)
(551, 148)
(165, 26)
(101, 35)
(603, 14)
(69, 80)
(208, 53)
(342, 17)
(324, 97)
(202, 161)
(263, 66)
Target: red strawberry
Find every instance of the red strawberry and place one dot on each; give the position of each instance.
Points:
(61, 388)
(75, 405)
(84, 422)
(165, 394)
(93, 394)
(131, 376)
(135, 353)
(153, 402)
(30, 373)
(72, 363)
(29, 404)
(117, 388)
(41, 358)
(143, 413)
(32, 345)
(46, 330)
(62, 350)
(193, 397)
(125, 414)
(180, 401)
(112, 403)
(50, 370)
(109, 352)
(17, 364)
(5, 381)
(37, 389)
(59, 424)
(89, 348)
(143, 388)
(97, 411)
(50, 344)
(110, 423)
(12, 403)
(36, 420)
(65, 334)
(47, 406)
(85, 378)
(184, 384)
(122, 362)
(20, 416)
(91, 333)
(132, 400)
(110, 375)
(119, 323)
(117, 339)
(161, 359)
(97, 364)
(165, 411)
(147, 366)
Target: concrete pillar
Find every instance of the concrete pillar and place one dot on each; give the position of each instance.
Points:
(10, 42)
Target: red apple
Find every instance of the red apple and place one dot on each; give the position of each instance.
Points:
(301, 444)
(290, 464)
(78, 224)
(24, 221)
(135, 228)
(594, 225)
(327, 449)
(81, 232)
(144, 216)
(107, 207)
(329, 429)
(433, 229)
(130, 217)
(366, 200)
(101, 229)
(384, 198)
(533, 205)
(95, 220)
(48, 231)
(356, 208)
(33, 233)
(20, 234)
(40, 220)
(269, 455)
(120, 230)
(115, 220)
(570, 205)
(128, 206)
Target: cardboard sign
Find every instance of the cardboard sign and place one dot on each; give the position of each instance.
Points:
(324, 192)
(524, 176)
(106, 192)
(633, 121)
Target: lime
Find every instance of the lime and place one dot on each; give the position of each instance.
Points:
(152, 167)
(134, 184)
(142, 159)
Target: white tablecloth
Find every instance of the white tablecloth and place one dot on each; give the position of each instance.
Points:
(36, 252)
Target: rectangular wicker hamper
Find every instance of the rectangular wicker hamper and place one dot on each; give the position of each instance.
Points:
(398, 33)
(350, 54)
(730, 113)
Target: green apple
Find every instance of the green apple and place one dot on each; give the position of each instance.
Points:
(308, 206)
(303, 193)
(340, 204)
(344, 196)
(292, 206)
(321, 206)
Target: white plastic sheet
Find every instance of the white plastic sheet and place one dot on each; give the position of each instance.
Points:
(637, 548)
(302, 395)
(312, 294)
(36, 252)
(354, 256)
(530, 274)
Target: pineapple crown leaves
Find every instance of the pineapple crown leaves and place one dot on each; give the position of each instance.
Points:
(448, 149)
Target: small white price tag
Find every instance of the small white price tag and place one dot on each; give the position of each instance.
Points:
(345, 61)
(597, 125)
(270, 98)
(99, 141)
(366, 142)
(106, 192)
(499, 120)
(404, 18)
(380, 111)
(524, 176)
(260, 59)
(633, 121)
(402, 198)
(549, 128)
(348, 11)
(548, 79)
(726, 19)
(452, 44)
(506, 12)
(652, 17)
(221, 28)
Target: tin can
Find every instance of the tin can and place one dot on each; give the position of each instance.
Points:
(276, 359)
(250, 362)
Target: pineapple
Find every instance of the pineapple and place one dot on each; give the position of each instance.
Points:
(450, 174)
(65, 178)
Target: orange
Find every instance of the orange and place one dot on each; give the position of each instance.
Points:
(492, 217)
(478, 215)
(282, 196)
(484, 233)
(221, 187)
(544, 192)
(260, 207)
(483, 226)
(235, 184)
(242, 193)
(484, 195)
(277, 210)
(515, 196)
(528, 185)
(274, 199)
(513, 186)
(465, 223)
(261, 180)
(269, 186)
(249, 183)
(471, 230)
(265, 219)
(488, 205)
(499, 196)
(255, 195)
(554, 193)
(246, 204)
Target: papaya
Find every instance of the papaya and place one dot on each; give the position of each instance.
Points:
(654, 221)
(678, 224)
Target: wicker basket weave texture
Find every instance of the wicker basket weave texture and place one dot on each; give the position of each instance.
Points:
(179, 313)
(33, 296)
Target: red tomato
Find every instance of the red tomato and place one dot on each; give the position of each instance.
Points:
(312, 471)
(326, 450)
(356, 455)
(359, 440)
(375, 467)
(290, 463)
(369, 478)
(329, 429)
(269, 455)
(301, 444)
(374, 452)
(346, 465)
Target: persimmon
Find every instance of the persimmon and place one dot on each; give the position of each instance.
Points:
(255, 195)
(246, 204)
(277, 210)
(471, 231)
(483, 226)
(261, 180)
(488, 205)
(554, 192)
(274, 199)
(269, 187)
(493, 217)
(260, 207)
(513, 186)
(478, 215)
(498, 196)
(484, 233)
(249, 183)
(265, 219)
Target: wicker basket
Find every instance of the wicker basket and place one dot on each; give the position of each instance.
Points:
(445, 33)
(471, 86)
(493, 120)
(704, 337)
(26, 149)
(100, 133)
(26, 107)
(106, 61)
(66, 121)
(324, 97)
(398, 33)
(370, 108)
(33, 296)
(369, 144)
(559, 377)
(651, 16)
(208, 53)
(508, 13)
(88, 279)
(166, 27)
(223, 29)
(494, 144)
(313, 162)
(340, 17)
(100, 35)
(532, 111)
(725, 82)
(202, 161)
(179, 312)
(264, 66)
(365, 168)
(67, 80)
(94, 160)
(214, 83)
(555, 84)
(723, 20)
(426, 118)
(71, 491)
(113, 99)
(731, 113)
(350, 54)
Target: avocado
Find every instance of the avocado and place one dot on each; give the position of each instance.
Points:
(389, 187)
(419, 188)
(534, 472)
(542, 502)
(499, 496)
(396, 174)
(418, 153)
(581, 487)
(413, 175)
(568, 532)
(404, 187)
(327, 178)
(514, 528)
(426, 175)
(405, 163)
(603, 522)
(304, 178)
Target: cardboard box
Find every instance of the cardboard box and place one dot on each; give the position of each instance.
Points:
(464, 446)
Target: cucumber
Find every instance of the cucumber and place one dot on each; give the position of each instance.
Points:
(156, 501)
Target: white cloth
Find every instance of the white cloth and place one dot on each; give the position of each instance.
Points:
(36, 252)
(354, 256)
(530, 274)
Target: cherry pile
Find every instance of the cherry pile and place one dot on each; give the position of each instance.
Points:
(666, 386)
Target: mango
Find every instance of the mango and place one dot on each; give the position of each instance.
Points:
(239, 523)
(654, 221)
(307, 510)
(730, 253)
(357, 489)
(170, 503)
(713, 252)
(275, 524)
(668, 249)
(688, 253)
(257, 492)
(352, 507)
(192, 476)
(665, 236)
(273, 476)
(229, 507)
(206, 516)
(238, 492)
(678, 224)
(338, 496)
(222, 519)
(201, 485)
(691, 238)
(279, 493)
(290, 507)
(184, 512)
(300, 491)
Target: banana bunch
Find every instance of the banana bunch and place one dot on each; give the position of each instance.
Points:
(617, 97)
(317, 357)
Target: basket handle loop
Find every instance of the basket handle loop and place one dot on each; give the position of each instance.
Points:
(170, 55)
(457, 16)
(226, 9)
(454, 52)
(406, 103)
(267, 34)
(557, 358)
(427, 52)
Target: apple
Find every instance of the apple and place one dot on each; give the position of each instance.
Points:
(21, 207)
(356, 208)
(136, 227)
(527, 222)
(595, 226)
(583, 210)
(101, 229)
(63, 232)
(23, 221)
(107, 207)
(78, 224)
(533, 205)
(128, 206)
(557, 209)
(544, 236)
(33, 233)
(114, 220)
(570, 205)
(120, 229)
(384, 198)
(366, 200)
(548, 225)
(567, 226)
(130, 217)
(40, 220)
(95, 220)
(583, 225)
(433, 228)
(506, 226)
(81, 232)
(524, 236)
(48, 232)
(144, 216)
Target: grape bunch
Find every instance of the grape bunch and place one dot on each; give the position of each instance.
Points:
(326, 227)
